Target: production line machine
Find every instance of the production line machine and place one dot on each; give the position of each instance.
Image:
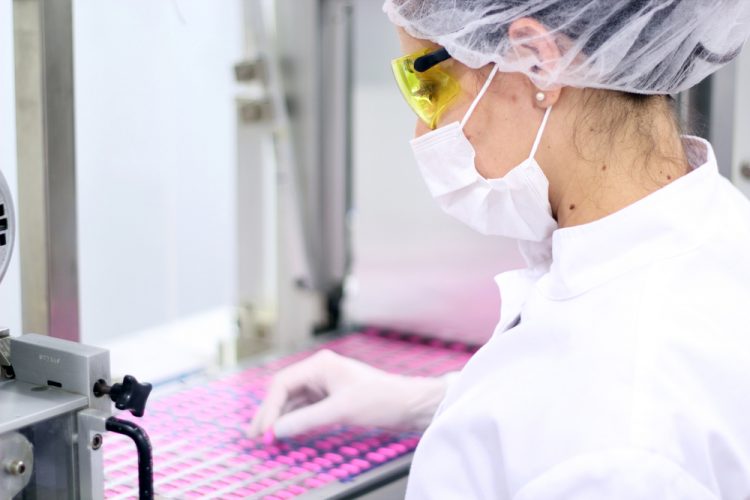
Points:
(55, 408)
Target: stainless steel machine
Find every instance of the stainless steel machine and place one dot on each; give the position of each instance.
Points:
(55, 408)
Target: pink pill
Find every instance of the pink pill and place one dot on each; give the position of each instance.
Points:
(326, 478)
(378, 458)
(372, 442)
(387, 452)
(339, 473)
(349, 451)
(284, 494)
(398, 448)
(298, 456)
(309, 452)
(335, 440)
(255, 487)
(323, 462)
(360, 446)
(334, 457)
(269, 437)
(297, 489)
(311, 466)
(311, 482)
(323, 445)
(351, 468)
(362, 464)
(283, 459)
(410, 442)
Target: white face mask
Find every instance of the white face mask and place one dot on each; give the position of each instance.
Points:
(515, 206)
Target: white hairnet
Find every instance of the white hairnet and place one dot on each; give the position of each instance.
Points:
(640, 46)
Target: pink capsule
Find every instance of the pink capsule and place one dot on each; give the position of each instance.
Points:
(312, 482)
(348, 450)
(398, 448)
(339, 473)
(297, 489)
(351, 468)
(378, 458)
(334, 457)
(323, 462)
(387, 452)
(311, 466)
(362, 447)
(362, 464)
(325, 477)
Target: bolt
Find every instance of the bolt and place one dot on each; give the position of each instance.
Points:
(745, 170)
(16, 467)
(96, 442)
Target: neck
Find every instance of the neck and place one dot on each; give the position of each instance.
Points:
(587, 184)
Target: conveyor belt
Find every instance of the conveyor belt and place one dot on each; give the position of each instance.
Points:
(201, 451)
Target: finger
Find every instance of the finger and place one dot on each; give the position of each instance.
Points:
(269, 410)
(307, 374)
(326, 412)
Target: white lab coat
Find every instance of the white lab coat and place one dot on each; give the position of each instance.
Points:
(628, 376)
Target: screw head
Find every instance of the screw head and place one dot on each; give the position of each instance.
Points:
(16, 467)
(96, 441)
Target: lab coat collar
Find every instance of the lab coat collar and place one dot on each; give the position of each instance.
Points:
(667, 222)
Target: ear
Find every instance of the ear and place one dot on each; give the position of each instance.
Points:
(531, 39)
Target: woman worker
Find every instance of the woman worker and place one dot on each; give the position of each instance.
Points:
(621, 365)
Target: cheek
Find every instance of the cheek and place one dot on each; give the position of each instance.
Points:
(420, 129)
(500, 145)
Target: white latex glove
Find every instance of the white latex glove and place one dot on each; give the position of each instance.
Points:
(328, 388)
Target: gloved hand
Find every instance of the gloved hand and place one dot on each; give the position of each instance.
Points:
(328, 388)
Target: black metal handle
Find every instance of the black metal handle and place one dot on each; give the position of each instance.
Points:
(143, 447)
(130, 395)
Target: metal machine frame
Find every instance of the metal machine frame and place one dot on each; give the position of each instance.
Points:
(43, 44)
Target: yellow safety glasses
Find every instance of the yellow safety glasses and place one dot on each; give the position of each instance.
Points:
(428, 90)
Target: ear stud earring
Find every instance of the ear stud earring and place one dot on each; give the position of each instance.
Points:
(540, 96)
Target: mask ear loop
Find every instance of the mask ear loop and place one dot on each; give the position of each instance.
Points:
(539, 134)
(479, 96)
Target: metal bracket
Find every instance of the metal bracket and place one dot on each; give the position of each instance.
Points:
(91, 428)
(255, 110)
(251, 70)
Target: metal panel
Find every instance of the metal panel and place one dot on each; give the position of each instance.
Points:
(43, 43)
(55, 459)
(70, 366)
(91, 428)
(23, 404)
(722, 113)
(315, 49)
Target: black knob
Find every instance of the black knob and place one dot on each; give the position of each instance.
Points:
(130, 395)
